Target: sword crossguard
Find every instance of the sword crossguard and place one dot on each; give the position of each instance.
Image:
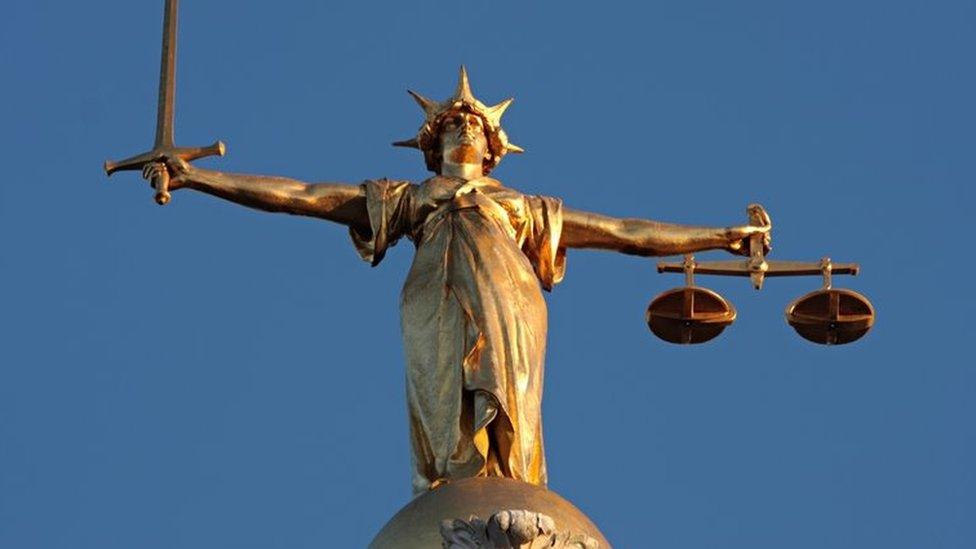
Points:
(160, 180)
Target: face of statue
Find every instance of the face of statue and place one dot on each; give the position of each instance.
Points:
(463, 138)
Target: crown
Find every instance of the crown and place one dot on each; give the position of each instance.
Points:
(427, 137)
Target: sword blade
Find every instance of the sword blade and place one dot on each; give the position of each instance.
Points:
(167, 78)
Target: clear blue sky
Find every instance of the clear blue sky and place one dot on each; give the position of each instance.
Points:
(203, 375)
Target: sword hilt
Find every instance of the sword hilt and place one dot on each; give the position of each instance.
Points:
(159, 154)
(160, 180)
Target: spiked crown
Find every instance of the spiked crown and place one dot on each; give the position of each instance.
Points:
(427, 139)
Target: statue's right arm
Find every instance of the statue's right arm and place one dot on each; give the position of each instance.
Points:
(341, 203)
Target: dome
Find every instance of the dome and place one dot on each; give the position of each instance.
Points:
(486, 508)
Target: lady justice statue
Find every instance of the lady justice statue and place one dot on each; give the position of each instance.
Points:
(472, 312)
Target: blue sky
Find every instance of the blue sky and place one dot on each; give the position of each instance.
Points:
(203, 375)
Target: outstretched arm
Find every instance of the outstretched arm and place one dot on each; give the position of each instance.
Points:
(341, 203)
(650, 238)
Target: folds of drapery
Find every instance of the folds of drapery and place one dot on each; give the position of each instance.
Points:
(474, 326)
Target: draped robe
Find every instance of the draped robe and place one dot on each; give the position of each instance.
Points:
(473, 320)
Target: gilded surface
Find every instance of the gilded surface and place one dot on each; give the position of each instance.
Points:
(473, 315)
(473, 319)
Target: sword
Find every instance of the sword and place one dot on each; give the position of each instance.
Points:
(163, 147)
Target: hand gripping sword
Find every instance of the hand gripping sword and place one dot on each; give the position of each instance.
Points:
(163, 147)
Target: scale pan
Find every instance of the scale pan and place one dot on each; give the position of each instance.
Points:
(689, 314)
(831, 317)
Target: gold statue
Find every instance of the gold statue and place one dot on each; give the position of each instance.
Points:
(473, 315)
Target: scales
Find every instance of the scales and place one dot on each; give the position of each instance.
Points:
(693, 314)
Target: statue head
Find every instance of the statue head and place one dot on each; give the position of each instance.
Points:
(462, 127)
(463, 139)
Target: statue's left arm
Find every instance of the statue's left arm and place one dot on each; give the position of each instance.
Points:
(650, 238)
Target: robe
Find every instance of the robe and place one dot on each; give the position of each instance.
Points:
(473, 321)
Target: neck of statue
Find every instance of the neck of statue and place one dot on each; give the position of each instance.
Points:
(465, 171)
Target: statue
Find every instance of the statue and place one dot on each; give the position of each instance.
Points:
(473, 316)
(472, 312)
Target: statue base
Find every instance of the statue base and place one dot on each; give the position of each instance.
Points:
(489, 512)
